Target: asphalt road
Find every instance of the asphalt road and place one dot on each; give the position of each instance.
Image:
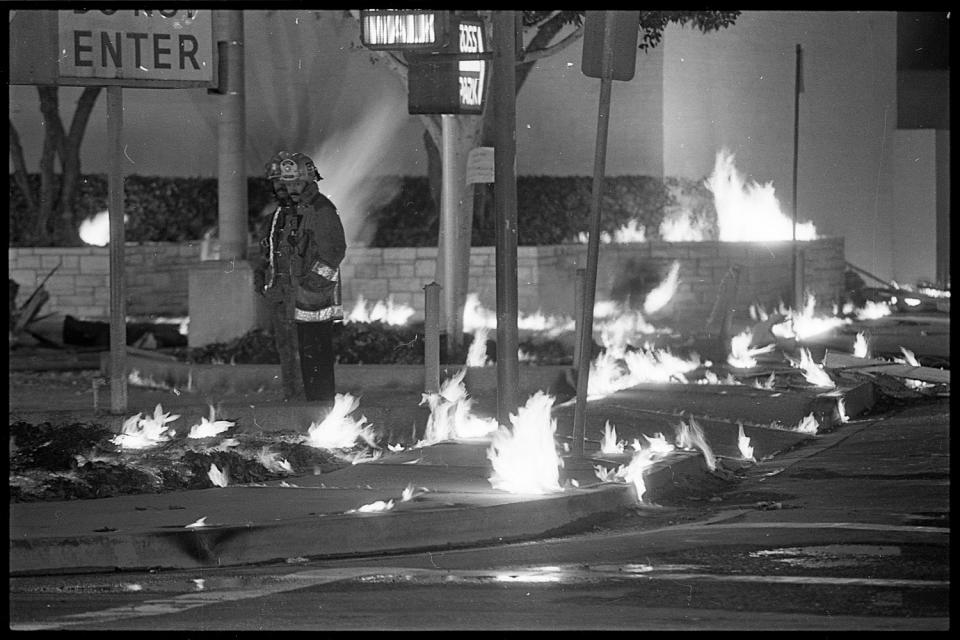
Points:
(849, 533)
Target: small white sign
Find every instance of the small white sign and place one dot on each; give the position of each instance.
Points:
(480, 165)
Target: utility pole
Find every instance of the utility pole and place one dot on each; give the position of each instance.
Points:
(798, 89)
(504, 81)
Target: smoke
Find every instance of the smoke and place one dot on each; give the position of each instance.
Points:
(349, 159)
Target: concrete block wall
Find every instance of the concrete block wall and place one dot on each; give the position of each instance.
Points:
(157, 276)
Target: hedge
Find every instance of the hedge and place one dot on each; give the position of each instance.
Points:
(550, 210)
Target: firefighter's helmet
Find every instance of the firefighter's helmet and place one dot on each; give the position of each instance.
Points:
(292, 167)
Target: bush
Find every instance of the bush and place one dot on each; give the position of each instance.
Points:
(550, 210)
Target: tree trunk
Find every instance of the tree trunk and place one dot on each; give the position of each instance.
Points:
(52, 139)
(69, 233)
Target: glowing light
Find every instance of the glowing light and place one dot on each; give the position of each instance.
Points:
(748, 212)
(525, 458)
(911, 302)
(338, 430)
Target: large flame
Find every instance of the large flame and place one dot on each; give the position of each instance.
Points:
(338, 430)
(525, 458)
(145, 432)
(748, 212)
(681, 225)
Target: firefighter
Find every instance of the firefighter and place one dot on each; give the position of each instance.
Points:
(301, 249)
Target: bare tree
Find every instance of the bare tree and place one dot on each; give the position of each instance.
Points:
(51, 205)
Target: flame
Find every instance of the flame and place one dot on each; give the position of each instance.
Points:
(643, 459)
(95, 230)
(209, 428)
(202, 522)
(659, 297)
(860, 348)
(873, 310)
(217, 477)
(709, 377)
(477, 353)
(743, 443)
(808, 424)
(681, 225)
(476, 316)
(337, 430)
(842, 410)
(374, 507)
(805, 324)
(911, 359)
(272, 461)
(631, 231)
(387, 312)
(142, 433)
(611, 372)
(813, 372)
(525, 458)
(451, 417)
(768, 385)
(748, 212)
(690, 436)
(136, 379)
(609, 443)
(741, 355)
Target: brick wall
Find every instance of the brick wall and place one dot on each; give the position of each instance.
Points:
(157, 276)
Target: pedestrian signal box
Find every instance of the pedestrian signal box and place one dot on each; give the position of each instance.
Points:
(405, 29)
(444, 83)
(623, 42)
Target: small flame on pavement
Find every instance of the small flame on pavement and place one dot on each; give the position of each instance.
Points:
(809, 424)
(911, 359)
(217, 477)
(374, 507)
(661, 294)
(338, 430)
(202, 522)
(860, 348)
(272, 461)
(388, 312)
(643, 459)
(873, 310)
(144, 432)
(690, 436)
(209, 428)
(525, 458)
(631, 231)
(842, 410)
(813, 372)
(451, 415)
(768, 384)
(741, 355)
(743, 443)
(609, 443)
(806, 323)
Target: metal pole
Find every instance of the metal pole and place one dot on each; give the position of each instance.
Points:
(448, 211)
(431, 338)
(231, 138)
(593, 245)
(579, 278)
(118, 297)
(798, 89)
(504, 89)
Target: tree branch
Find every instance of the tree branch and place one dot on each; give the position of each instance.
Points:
(20, 175)
(552, 49)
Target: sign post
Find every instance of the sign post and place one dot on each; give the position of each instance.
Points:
(114, 48)
(609, 20)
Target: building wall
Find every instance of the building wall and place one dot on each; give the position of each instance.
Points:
(735, 89)
(157, 276)
(915, 201)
